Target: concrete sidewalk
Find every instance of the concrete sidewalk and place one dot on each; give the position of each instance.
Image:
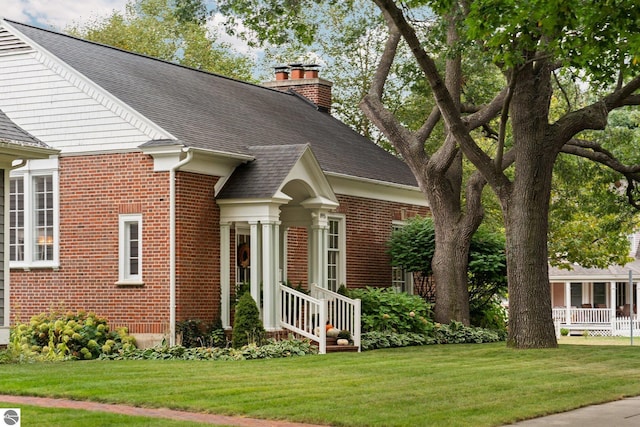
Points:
(620, 413)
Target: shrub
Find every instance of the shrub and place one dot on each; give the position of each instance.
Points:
(196, 333)
(491, 315)
(564, 332)
(457, 333)
(247, 326)
(375, 340)
(272, 349)
(69, 336)
(384, 310)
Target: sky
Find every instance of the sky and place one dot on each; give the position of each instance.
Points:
(58, 14)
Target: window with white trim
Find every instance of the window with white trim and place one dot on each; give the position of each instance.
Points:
(33, 215)
(130, 243)
(336, 244)
(401, 280)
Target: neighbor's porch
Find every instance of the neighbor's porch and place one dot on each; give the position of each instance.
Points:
(601, 308)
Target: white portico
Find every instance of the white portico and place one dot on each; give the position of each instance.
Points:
(282, 188)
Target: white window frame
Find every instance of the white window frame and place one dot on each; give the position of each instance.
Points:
(33, 169)
(125, 277)
(341, 271)
(407, 282)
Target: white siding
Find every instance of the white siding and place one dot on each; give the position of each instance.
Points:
(64, 110)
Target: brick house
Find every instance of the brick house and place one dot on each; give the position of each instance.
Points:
(173, 185)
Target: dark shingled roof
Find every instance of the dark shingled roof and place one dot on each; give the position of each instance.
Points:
(208, 111)
(11, 132)
(263, 176)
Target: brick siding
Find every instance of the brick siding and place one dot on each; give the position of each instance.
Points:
(368, 227)
(198, 248)
(94, 190)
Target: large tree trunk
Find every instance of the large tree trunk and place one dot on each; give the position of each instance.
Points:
(450, 262)
(525, 208)
(453, 231)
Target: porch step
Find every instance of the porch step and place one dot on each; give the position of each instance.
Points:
(333, 347)
(341, 348)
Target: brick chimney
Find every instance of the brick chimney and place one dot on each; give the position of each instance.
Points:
(305, 81)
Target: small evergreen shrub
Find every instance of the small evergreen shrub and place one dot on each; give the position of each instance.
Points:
(68, 336)
(247, 326)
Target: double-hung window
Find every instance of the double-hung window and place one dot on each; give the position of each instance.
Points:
(33, 218)
(336, 254)
(130, 240)
(401, 280)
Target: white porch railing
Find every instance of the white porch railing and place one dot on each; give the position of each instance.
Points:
(582, 315)
(623, 326)
(303, 314)
(595, 319)
(342, 312)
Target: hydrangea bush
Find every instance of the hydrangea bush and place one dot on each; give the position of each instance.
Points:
(66, 336)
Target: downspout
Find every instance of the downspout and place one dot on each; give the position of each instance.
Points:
(172, 245)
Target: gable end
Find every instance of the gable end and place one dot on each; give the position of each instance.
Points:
(11, 45)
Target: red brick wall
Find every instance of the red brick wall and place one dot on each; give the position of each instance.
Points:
(94, 190)
(369, 225)
(197, 248)
(297, 252)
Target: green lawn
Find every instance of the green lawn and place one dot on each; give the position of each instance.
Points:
(34, 416)
(438, 385)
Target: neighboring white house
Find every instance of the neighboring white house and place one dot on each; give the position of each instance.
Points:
(597, 300)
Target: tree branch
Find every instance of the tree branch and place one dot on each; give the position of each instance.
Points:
(444, 101)
(594, 152)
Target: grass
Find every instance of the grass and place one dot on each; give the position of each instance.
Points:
(446, 385)
(34, 416)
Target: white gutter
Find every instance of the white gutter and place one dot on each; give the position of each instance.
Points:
(172, 245)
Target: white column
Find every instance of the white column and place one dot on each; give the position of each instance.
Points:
(254, 256)
(318, 256)
(225, 275)
(612, 306)
(270, 269)
(284, 233)
(567, 302)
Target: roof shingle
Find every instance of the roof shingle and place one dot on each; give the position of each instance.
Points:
(208, 111)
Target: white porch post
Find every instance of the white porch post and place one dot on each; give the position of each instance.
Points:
(254, 256)
(567, 302)
(318, 250)
(225, 274)
(612, 306)
(284, 234)
(270, 269)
